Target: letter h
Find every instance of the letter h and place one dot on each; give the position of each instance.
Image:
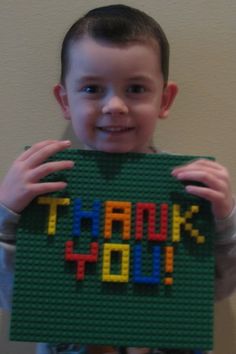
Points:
(79, 214)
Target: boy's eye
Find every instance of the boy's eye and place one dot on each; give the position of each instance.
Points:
(92, 89)
(136, 89)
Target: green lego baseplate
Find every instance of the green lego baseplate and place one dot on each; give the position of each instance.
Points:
(123, 256)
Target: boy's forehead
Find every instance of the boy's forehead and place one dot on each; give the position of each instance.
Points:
(89, 53)
(87, 44)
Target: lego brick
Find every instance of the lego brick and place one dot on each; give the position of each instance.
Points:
(123, 256)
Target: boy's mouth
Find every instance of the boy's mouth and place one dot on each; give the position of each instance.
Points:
(115, 129)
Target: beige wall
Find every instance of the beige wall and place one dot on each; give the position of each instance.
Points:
(202, 36)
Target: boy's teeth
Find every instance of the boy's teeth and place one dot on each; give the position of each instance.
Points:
(114, 129)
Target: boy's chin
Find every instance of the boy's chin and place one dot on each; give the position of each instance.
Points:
(112, 149)
(117, 149)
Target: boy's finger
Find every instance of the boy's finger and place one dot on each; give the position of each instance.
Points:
(48, 187)
(50, 167)
(218, 172)
(209, 163)
(200, 163)
(209, 194)
(209, 179)
(32, 149)
(183, 173)
(47, 151)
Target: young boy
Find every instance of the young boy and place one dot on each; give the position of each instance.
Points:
(114, 87)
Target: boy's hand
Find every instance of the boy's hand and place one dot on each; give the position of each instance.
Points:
(22, 182)
(216, 180)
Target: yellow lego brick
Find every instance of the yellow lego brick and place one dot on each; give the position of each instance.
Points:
(188, 215)
(195, 208)
(176, 236)
(200, 239)
(195, 233)
(124, 250)
(53, 204)
(188, 227)
(182, 220)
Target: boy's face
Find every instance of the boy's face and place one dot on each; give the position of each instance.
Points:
(114, 95)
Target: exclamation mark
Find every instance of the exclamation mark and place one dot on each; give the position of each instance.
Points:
(169, 264)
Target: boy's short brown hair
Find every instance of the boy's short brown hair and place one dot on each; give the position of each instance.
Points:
(118, 24)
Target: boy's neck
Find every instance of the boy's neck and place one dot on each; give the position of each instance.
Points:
(150, 149)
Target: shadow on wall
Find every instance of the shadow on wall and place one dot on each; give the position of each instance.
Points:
(225, 327)
(8, 347)
(69, 135)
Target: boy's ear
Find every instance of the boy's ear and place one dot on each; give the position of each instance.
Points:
(61, 97)
(168, 96)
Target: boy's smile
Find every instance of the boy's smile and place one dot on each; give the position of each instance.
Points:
(114, 94)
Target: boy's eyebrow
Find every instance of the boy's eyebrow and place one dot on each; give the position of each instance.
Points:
(97, 78)
(141, 78)
(87, 78)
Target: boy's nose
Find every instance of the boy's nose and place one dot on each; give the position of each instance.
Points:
(114, 105)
